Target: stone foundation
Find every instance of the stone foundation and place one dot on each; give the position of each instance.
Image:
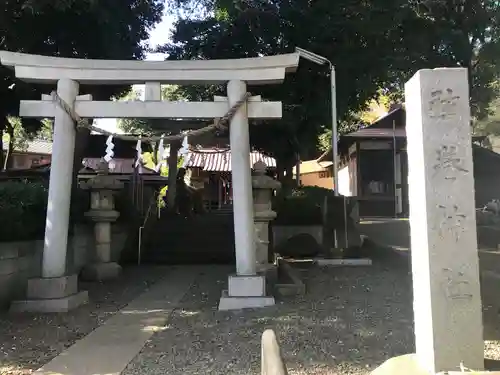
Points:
(21, 261)
(245, 292)
(57, 294)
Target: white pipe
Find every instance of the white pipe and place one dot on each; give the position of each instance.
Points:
(334, 131)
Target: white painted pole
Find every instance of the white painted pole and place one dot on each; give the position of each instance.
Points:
(334, 143)
(334, 131)
(242, 183)
(61, 170)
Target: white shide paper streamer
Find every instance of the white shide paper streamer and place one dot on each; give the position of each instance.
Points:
(109, 149)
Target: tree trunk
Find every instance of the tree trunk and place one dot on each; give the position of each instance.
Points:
(7, 163)
(297, 171)
(2, 127)
(288, 178)
(280, 171)
(154, 147)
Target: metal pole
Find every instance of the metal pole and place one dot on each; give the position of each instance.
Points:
(346, 239)
(334, 143)
(394, 168)
(334, 131)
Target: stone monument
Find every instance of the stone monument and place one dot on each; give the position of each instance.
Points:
(263, 187)
(447, 298)
(102, 212)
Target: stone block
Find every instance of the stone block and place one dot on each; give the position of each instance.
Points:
(8, 266)
(404, 364)
(7, 251)
(52, 288)
(10, 287)
(25, 263)
(343, 262)
(282, 233)
(101, 271)
(247, 286)
(50, 305)
(236, 303)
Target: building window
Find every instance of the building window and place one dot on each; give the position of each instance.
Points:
(326, 174)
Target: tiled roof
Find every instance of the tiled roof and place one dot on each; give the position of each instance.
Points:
(36, 146)
(220, 160)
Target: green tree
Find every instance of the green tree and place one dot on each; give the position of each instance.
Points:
(460, 33)
(142, 126)
(104, 29)
(17, 137)
(372, 44)
(352, 35)
(491, 124)
(373, 109)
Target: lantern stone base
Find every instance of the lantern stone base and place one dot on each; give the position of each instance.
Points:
(245, 292)
(51, 295)
(101, 271)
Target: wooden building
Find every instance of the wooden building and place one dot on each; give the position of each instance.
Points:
(210, 169)
(374, 168)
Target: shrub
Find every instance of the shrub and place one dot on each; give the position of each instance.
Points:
(301, 206)
(314, 194)
(23, 207)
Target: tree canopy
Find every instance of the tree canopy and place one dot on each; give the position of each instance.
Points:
(142, 126)
(101, 29)
(373, 44)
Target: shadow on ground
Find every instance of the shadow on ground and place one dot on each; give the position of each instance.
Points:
(394, 233)
(350, 320)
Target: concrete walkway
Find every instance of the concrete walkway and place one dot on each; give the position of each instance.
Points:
(109, 348)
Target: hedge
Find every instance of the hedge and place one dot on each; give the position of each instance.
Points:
(301, 206)
(23, 207)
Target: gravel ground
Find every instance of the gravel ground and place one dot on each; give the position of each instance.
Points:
(350, 321)
(28, 341)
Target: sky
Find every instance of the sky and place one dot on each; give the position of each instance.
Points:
(158, 36)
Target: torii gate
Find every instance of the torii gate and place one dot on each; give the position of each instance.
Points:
(57, 291)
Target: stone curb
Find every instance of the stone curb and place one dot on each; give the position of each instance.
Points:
(297, 287)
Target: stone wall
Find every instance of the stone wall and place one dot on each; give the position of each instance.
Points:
(22, 260)
(281, 233)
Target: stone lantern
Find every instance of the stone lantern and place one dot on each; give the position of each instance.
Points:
(263, 188)
(102, 212)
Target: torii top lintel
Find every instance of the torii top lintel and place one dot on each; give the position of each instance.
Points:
(45, 69)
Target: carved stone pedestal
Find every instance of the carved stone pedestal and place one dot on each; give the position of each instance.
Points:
(263, 187)
(102, 212)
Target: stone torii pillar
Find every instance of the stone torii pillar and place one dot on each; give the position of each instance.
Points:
(246, 289)
(447, 299)
(56, 291)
